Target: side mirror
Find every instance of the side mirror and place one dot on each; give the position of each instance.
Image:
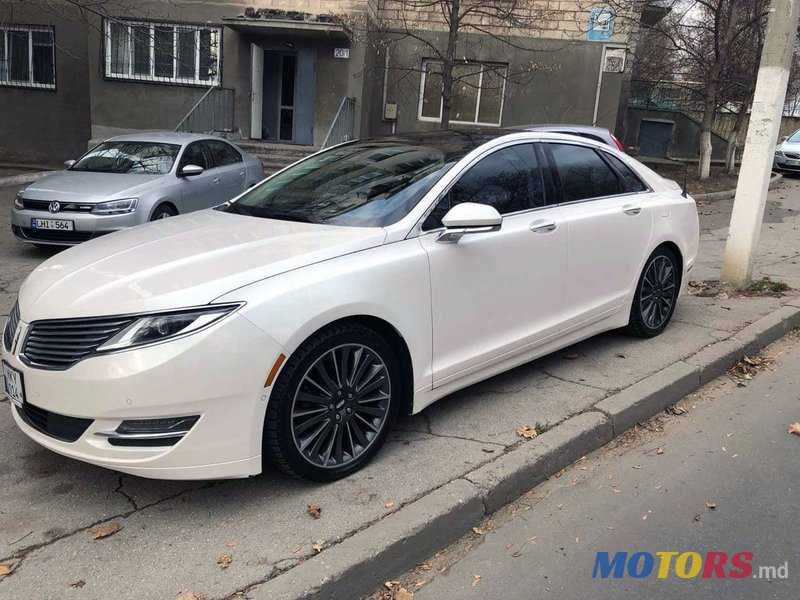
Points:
(69, 163)
(468, 218)
(190, 171)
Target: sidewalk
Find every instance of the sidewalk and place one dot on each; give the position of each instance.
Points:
(174, 533)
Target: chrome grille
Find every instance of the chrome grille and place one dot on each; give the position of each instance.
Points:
(11, 327)
(791, 155)
(44, 205)
(59, 344)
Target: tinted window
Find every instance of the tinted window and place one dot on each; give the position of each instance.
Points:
(367, 184)
(582, 172)
(630, 181)
(223, 154)
(194, 155)
(129, 157)
(509, 180)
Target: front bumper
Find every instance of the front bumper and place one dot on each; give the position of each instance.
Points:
(217, 373)
(87, 226)
(782, 163)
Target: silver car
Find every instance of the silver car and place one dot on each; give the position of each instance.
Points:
(787, 154)
(129, 180)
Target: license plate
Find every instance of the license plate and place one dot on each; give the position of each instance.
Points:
(792, 162)
(12, 382)
(56, 224)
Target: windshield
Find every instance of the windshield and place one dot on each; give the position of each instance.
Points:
(795, 137)
(366, 184)
(148, 158)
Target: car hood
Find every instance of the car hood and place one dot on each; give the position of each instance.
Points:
(78, 186)
(184, 261)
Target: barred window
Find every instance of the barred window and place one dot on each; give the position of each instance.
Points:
(162, 52)
(27, 56)
(478, 90)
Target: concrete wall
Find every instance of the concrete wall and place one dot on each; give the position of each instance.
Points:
(45, 127)
(685, 136)
(562, 88)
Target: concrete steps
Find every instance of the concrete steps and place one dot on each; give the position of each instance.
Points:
(275, 156)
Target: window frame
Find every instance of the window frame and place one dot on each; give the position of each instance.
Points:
(30, 30)
(206, 154)
(476, 122)
(229, 146)
(546, 186)
(151, 77)
(601, 152)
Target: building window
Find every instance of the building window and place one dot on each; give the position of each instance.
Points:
(478, 91)
(162, 52)
(27, 56)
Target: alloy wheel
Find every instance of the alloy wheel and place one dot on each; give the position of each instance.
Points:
(341, 405)
(658, 292)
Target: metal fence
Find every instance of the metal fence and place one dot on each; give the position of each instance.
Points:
(343, 127)
(214, 112)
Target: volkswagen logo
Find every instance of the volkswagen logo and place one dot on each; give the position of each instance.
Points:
(54, 207)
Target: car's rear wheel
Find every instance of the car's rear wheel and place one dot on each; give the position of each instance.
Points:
(164, 211)
(333, 403)
(656, 294)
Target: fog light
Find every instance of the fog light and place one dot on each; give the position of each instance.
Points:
(150, 432)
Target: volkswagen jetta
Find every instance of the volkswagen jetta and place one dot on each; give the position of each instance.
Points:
(294, 323)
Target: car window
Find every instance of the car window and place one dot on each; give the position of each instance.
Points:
(194, 155)
(223, 154)
(630, 181)
(509, 180)
(145, 158)
(583, 174)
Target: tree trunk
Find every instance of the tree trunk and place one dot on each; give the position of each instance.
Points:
(730, 155)
(706, 125)
(448, 63)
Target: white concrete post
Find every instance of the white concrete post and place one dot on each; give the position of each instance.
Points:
(759, 149)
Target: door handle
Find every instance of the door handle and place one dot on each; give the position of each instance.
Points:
(542, 226)
(216, 179)
(630, 209)
(241, 174)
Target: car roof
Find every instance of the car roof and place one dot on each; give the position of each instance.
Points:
(166, 137)
(566, 127)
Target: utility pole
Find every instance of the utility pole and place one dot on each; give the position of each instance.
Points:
(759, 149)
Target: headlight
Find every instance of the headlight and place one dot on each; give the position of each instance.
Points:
(151, 329)
(116, 207)
(778, 152)
(18, 200)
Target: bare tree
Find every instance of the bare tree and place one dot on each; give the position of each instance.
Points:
(446, 32)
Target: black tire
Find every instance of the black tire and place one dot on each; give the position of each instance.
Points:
(163, 211)
(301, 454)
(659, 284)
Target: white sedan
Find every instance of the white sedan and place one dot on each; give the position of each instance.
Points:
(294, 323)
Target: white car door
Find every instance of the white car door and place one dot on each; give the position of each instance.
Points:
(495, 293)
(609, 223)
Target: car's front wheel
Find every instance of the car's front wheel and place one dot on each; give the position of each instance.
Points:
(163, 211)
(656, 294)
(333, 403)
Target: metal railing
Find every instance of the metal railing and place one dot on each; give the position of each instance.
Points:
(213, 112)
(343, 126)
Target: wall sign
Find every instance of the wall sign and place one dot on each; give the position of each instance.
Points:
(341, 53)
(614, 60)
(601, 25)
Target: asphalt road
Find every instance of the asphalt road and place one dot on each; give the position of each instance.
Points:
(651, 491)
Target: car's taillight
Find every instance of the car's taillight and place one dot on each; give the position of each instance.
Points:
(620, 147)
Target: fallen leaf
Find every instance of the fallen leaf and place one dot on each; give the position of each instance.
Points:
(106, 530)
(577, 539)
(488, 450)
(571, 356)
(637, 466)
(711, 505)
(527, 431)
(424, 566)
(231, 544)
(794, 428)
(610, 527)
(697, 517)
(478, 530)
(78, 583)
(390, 504)
(297, 550)
(225, 560)
(6, 570)
(317, 546)
(476, 581)
(314, 510)
(190, 597)
(621, 355)
(402, 594)
(659, 451)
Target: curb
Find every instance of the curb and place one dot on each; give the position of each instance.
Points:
(728, 194)
(23, 178)
(420, 528)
